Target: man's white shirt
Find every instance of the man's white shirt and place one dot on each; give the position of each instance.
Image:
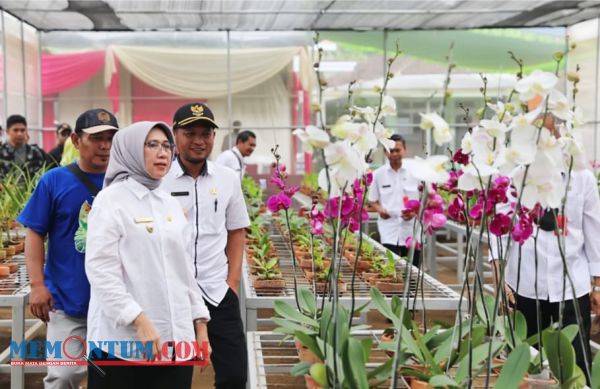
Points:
(582, 248)
(213, 204)
(234, 160)
(389, 187)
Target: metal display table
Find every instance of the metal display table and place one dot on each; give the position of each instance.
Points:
(14, 293)
(434, 294)
(271, 358)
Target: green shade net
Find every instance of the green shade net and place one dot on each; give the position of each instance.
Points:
(484, 50)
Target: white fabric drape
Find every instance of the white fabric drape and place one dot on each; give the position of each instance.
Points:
(201, 72)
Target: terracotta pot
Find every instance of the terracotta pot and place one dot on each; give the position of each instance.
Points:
(374, 280)
(367, 276)
(2, 254)
(321, 286)
(418, 384)
(19, 246)
(385, 286)
(538, 383)
(263, 208)
(307, 264)
(251, 261)
(13, 267)
(388, 338)
(274, 284)
(4, 271)
(311, 383)
(362, 266)
(304, 353)
(10, 251)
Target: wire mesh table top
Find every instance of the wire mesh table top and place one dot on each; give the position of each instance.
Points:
(271, 357)
(17, 283)
(433, 294)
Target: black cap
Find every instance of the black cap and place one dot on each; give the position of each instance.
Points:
(96, 120)
(191, 113)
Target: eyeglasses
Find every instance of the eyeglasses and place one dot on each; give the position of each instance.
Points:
(156, 146)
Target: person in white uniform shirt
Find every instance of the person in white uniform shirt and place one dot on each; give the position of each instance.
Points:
(140, 273)
(392, 184)
(234, 157)
(582, 251)
(211, 196)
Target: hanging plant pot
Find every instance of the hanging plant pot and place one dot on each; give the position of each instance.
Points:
(539, 381)
(304, 353)
(418, 384)
(311, 383)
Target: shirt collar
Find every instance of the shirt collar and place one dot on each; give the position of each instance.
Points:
(179, 168)
(140, 191)
(389, 167)
(237, 151)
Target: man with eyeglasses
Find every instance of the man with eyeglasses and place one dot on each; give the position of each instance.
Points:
(212, 199)
(63, 132)
(392, 185)
(58, 210)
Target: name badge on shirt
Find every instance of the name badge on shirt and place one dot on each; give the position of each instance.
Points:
(387, 186)
(175, 194)
(139, 220)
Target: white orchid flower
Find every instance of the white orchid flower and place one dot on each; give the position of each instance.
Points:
(383, 136)
(312, 137)
(544, 184)
(388, 105)
(494, 127)
(430, 170)
(538, 83)
(367, 113)
(365, 139)
(345, 161)
(466, 144)
(572, 147)
(344, 127)
(559, 105)
(441, 130)
(474, 176)
(501, 111)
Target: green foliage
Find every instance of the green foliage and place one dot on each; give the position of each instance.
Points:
(15, 190)
(514, 368)
(311, 181)
(253, 195)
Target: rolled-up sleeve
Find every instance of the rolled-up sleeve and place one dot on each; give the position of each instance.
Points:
(103, 265)
(591, 224)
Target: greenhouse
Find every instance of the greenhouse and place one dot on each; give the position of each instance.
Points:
(299, 194)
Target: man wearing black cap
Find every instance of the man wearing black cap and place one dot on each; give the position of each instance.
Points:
(211, 197)
(58, 209)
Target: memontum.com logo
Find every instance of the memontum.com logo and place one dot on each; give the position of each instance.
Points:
(44, 353)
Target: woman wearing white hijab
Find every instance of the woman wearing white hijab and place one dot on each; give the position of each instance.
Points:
(137, 262)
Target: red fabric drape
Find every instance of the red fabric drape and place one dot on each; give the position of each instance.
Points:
(64, 71)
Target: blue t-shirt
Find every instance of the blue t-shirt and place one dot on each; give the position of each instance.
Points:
(58, 208)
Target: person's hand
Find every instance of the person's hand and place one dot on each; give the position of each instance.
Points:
(510, 297)
(235, 286)
(41, 303)
(384, 214)
(202, 339)
(147, 333)
(407, 215)
(595, 297)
